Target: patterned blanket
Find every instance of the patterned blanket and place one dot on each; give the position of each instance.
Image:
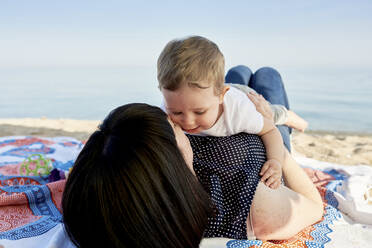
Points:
(30, 214)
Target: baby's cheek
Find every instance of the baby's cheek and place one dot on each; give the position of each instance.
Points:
(175, 119)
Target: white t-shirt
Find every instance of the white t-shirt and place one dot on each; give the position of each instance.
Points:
(239, 115)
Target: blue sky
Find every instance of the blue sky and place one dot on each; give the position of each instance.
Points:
(121, 33)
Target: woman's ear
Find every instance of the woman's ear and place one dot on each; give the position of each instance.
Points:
(224, 90)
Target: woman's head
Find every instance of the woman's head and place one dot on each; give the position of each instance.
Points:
(131, 187)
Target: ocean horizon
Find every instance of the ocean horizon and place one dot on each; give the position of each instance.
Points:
(335, 100)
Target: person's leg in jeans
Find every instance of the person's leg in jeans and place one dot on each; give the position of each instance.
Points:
(238, 75)
(268, 82)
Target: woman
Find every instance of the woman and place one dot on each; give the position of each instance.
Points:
(132, 187)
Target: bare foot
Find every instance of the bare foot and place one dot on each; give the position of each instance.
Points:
(295, 121)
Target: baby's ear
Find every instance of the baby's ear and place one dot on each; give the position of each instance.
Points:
(223, 92)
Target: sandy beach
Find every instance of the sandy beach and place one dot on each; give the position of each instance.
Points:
(341, 148)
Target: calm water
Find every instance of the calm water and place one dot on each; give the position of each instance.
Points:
(331, 100)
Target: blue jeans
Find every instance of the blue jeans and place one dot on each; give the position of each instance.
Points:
(267, 82)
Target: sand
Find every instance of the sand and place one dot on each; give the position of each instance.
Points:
(341, 148)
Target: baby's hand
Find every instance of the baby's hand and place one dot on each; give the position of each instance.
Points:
(261, 104)
(271, 173)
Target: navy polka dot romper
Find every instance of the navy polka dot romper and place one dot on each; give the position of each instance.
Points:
(228, 168)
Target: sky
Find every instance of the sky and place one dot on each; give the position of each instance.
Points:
(132, 33)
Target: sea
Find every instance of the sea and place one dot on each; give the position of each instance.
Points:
(330, 99)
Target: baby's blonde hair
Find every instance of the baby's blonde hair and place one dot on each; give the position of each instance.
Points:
(194, 60)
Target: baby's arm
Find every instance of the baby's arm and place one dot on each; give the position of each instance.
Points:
(271, 171)
(241, 115)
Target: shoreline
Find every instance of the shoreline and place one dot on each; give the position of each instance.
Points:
(333, 132)
(80, 125)
(349, 148)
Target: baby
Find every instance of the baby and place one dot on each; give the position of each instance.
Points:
(191, 79)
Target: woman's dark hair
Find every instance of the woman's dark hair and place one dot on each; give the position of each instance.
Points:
(131, 187)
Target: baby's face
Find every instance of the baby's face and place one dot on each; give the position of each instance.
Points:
(192, 108)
